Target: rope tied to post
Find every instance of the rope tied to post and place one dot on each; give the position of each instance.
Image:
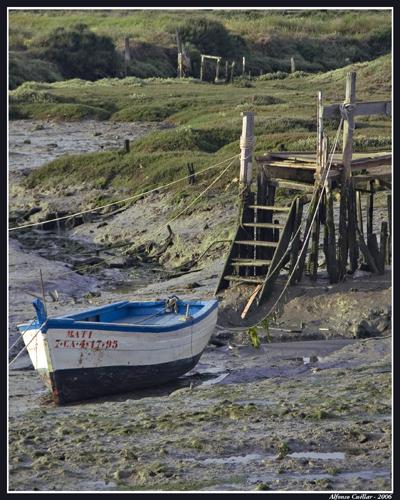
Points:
(344, 111)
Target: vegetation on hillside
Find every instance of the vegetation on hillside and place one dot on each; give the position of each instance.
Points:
(319, 40)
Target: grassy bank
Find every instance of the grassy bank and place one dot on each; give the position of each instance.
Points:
(206, 120)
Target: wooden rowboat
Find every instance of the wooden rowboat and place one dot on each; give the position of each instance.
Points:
(118, 347)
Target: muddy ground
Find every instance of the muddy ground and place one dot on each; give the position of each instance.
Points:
(309, 410)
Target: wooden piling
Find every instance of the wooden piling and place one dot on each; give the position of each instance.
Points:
(369, 258)
(352, 221)
(226, 71)
(360, 224)
(330, 237)
(389, 244)
(342, 239)
(276, 231)
(313, 259)
(383, 244)
(370, 208)
(292, 65)
(243, 66)
(296, 244)
(372, 245)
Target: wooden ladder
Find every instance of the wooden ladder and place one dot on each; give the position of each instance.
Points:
(257, 252)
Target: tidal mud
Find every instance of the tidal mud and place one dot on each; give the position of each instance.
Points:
(310, 410)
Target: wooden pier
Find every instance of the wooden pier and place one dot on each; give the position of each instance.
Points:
(270, 236)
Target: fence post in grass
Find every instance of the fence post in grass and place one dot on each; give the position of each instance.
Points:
(217, 70)
(127, 55)
(126, 146)
(226, 71)
(202, 68)
(243, 65)
(232, 70)
(292, 65)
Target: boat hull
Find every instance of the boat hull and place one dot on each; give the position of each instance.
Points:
(85, 359)
(79, 384)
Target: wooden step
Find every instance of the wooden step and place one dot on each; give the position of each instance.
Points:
(255, 280)
(264, 224)
(250, 262)
(257, 243)
(270, 207)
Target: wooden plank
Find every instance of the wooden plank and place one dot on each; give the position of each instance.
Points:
(297, 186)
(273, 208)
(361, 109)
(264, 225)
(251, 262)
(290, 174)
(250, 301)
(244, 279)
(257, 243)
(298, 165)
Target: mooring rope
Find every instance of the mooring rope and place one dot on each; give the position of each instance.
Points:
(162, 226)
(130, 198)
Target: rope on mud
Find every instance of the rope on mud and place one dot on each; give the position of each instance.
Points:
(139, 195)
(26, 346)
(321, 183)
(92, 266)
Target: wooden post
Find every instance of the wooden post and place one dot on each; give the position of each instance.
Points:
(127, 55)
(232, 70)
(360, 224)
(217, 70)
(348, 125)
(276, 231)
(352, 221)
(389, 245)
(126, 146)
(347, 223)
(180, 65)
(246, 146)
(366, 253)
(330, 237)
(294, 253)
(383, 244)
(320, 135)
(370, 208)
(202, 68)
(292, 65)
(226, 72)
(313, 260)
(372, 245)
(243, 65)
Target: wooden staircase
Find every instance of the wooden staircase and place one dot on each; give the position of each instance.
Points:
(258, 250)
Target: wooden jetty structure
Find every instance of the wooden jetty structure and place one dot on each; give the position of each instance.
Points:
(271, 236)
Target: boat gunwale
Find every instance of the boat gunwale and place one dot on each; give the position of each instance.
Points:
(66, 321)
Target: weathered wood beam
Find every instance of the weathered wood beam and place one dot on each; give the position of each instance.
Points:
(361, 109)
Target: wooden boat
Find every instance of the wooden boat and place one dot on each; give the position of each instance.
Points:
(118, 347)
